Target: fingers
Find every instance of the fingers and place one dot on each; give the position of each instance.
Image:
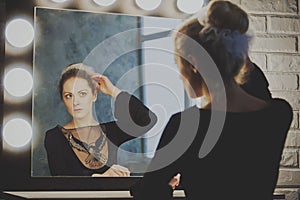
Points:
(97, 175)
(177, 177)
(101, 80)
(120, 170)
(98, 77)
(174, 182)
(105, 86)
(114, 171)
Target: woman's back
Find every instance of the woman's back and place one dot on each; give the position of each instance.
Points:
(243, 164)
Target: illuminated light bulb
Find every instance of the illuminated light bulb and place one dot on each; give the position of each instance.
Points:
(18, 82)
(17, 132)
(19, 33)
(190, 6)
(148, 5)
(104, 2)
(59, 1)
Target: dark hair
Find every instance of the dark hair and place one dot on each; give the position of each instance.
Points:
(226, 15)
(77, 70)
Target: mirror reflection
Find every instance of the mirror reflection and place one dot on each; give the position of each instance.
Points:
(104, 87)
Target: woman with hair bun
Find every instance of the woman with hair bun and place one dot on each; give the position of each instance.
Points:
(83, 146)
(226, 15)
(243, 162)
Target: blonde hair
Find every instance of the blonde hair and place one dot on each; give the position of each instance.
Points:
(222, 37)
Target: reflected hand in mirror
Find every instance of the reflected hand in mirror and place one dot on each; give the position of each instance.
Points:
(115, 171)
(105, 86)
(84, 146)
(123, 119)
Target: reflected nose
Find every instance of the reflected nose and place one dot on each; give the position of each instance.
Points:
(75, 100)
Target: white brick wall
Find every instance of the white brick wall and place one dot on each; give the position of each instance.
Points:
(293, 139)
(270, 6)
(293, 97)
(284, 63)
(270, 43)
(259, 22)
(282, 81)
(290, 158)
(295, 122)
(260, 60)
(290, 193)
(276, 49)
(285, 25)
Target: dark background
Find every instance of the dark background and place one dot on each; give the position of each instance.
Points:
(16, 166)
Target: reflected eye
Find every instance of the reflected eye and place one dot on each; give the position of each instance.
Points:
(68, 96)
(82, 93)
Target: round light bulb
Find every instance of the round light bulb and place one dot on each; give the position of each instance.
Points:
(190, 6)
(19, 33)
(18, 82)
(59, 1)
(17, 132)
(148, 4)
(104, 2)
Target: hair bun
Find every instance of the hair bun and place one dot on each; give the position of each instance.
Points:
(228, 46)
(224, 15)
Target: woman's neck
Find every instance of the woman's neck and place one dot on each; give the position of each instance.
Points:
(77, 123)
(234, 99)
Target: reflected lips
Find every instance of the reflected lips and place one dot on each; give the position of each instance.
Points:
(77, 110)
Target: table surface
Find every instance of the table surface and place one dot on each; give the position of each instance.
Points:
(77, 194)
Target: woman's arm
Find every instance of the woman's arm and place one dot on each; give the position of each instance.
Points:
(158, 184)
(55, 150)
(133, 117)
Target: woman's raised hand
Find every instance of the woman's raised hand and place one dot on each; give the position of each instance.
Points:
(115, 171)
(105, 86)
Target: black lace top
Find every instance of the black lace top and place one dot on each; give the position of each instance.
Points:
(63, 161)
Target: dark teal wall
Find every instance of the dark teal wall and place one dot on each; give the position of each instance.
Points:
(64, 37)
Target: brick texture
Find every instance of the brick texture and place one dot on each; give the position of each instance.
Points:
(270, 6)
(289, 158)
(275, 44)
(295, 122)
(257, 23)
(284, 63)
(282, 81)
(293, 97)
(284, 25)
(289, 176)
(259, 59)
(290, 193)
(293, 138)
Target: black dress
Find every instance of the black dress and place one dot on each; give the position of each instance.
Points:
(63, 161)
(257, 84)
(243, 164)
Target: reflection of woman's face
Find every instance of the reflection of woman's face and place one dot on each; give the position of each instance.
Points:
(78, 97)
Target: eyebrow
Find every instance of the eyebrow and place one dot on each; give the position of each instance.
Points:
(85, 90)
